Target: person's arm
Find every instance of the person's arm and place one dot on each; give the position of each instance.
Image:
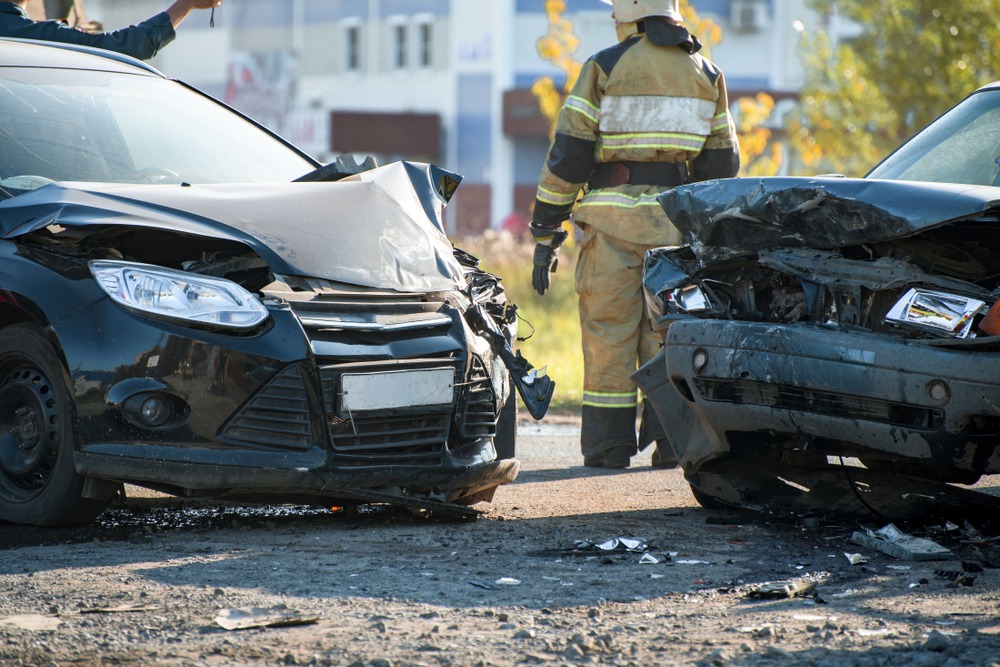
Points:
(181, 8)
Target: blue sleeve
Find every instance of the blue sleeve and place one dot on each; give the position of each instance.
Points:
(140, 41)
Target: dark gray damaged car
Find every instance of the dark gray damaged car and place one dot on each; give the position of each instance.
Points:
(832, 345)
(190, 304)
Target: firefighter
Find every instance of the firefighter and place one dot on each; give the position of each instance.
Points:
(645, 115)
(141, 41)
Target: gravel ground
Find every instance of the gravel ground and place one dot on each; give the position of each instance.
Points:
(161, 581)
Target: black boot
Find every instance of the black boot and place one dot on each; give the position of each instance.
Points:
(607, 437)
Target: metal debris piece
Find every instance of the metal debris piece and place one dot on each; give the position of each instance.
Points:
(508, 581)
(484, 586)
(628, 544)
(784, 589)
(257, 617)
(648, 559)
(122, 608)
(893, 542)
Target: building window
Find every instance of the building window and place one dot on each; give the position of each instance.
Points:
(400, 46)
(426, 32)
(352, 47)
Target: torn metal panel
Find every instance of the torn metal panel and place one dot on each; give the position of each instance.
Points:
(383, 231)
(734, 217)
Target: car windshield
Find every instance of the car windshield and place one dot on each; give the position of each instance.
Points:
(962, 146)
(80, 125)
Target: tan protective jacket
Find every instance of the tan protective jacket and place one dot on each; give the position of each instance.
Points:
(648, 99)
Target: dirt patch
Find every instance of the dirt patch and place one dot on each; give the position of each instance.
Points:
(156, 580)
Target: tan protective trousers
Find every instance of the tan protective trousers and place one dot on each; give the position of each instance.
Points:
(617, 338)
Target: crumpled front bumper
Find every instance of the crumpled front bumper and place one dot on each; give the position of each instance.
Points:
(930, 404)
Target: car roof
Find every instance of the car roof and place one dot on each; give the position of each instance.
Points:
(37, 53)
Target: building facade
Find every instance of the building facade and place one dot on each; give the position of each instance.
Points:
(445, 81)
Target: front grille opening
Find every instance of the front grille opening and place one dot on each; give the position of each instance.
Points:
(276, 417)
(788, 397)
(389, 440)
(481, 407)
(683, 389)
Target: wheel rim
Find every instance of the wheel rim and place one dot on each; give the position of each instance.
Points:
(29, 430)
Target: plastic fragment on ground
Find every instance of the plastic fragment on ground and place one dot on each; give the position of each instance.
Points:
(257, 617)
(783, 589)
(893, 542)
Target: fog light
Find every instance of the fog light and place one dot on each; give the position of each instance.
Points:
(156, 411)
(700, 360)
(938, 391)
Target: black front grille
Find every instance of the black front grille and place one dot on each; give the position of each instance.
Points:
(398, 440)
(800, 399)
(479, 418)
(387, 437)
(276, 417)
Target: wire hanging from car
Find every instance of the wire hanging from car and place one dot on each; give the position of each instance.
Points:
(211, 18)
(854, 487)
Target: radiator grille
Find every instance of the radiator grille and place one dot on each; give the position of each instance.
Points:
(788, 397)
(479, 419)
(276, 417)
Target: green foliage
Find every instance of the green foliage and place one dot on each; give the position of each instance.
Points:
(551, 322)
(913, 60)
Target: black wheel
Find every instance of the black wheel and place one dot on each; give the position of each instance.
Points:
(505, 441)
(38, 484)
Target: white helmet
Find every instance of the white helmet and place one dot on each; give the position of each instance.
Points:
(627, 11)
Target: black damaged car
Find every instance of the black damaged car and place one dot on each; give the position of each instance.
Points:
(832, 344)
(190, 304)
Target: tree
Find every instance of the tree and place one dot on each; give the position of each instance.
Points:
(912, 61)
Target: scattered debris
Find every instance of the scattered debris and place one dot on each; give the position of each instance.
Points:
(875, 632)
(484, 586)
(628, 544)
(122, 608)
(856, 559)
(784, 589)
(31, 621)
(258, 617)
(955, 578)
(893, 542)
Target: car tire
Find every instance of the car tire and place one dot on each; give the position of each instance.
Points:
(38, 482)
(705, 500)
(505, 441)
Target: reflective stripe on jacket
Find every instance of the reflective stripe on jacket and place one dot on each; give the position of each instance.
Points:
(636, 102)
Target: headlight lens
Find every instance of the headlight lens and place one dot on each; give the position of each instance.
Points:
(179, 295)
(936, 312)
(689, 299)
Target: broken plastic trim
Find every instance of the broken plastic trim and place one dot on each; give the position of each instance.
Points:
(534, 387)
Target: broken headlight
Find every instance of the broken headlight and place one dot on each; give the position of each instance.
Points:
(179, 295)
(935, 312)
(689, 299)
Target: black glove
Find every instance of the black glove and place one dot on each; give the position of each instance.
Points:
(545, 261)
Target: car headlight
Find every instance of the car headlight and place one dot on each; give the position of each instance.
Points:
(689, 299)
(936, 312)
(178, 294)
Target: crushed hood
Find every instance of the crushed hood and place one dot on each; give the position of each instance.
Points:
(382, 228)
(735, 217)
